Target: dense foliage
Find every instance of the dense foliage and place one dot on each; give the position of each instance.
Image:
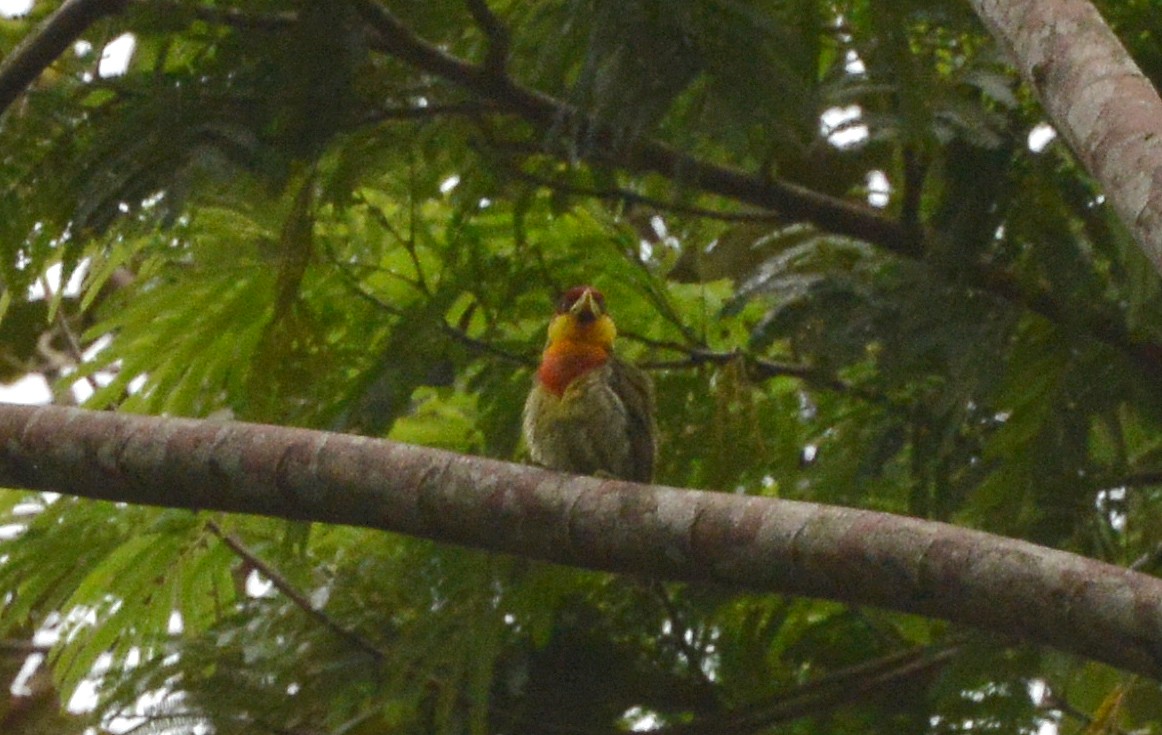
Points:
(821, 226)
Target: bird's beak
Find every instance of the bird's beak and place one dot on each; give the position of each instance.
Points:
(586, 308)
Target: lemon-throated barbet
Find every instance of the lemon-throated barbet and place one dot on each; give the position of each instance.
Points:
(589, 412)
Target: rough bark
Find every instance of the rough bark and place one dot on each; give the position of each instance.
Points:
(1009, 586)
(1096, 96)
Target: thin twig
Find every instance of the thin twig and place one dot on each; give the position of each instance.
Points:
(661, 344)
(1147, 560)
(377, 214)
(297, 598)
(757, 367)
(465, 109)
(477, 345)
(75, 352)
(625, 196)
(695, 657)
(1052, 701)
(827, 693)
(409, 244)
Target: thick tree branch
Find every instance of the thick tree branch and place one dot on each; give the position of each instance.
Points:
(33, 55)
(1013, 587)
(1096, 96)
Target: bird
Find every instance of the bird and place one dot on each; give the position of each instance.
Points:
(590, 412)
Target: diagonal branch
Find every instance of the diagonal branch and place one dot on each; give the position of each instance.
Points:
(37, 51)
(298, 599)
(1012, 587)
(545, 112)
(793, 202)
(626, 196)
(893, 672)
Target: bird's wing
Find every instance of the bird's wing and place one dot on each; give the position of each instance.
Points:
(636, 391)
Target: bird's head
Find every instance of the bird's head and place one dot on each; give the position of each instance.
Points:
(581, 318)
